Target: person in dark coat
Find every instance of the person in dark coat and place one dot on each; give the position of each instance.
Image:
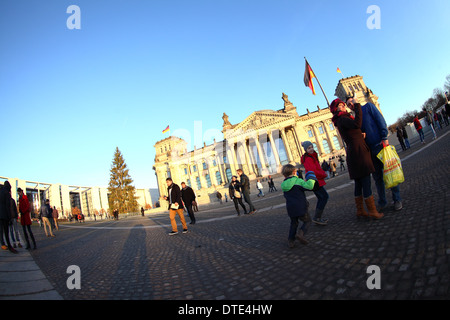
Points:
(175, 206)
(245, 187)
(359, 159)
(234, 189)
(5, 214)
(188, 196)
(400, 138)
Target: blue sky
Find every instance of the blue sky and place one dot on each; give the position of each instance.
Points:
(69, 97)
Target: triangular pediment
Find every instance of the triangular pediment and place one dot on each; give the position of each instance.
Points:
(260, 120)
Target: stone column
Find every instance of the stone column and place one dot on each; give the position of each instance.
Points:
(286, 145)
(316, 135)
(330, 141)
(264, 170)
(220, 169)
(301, 151)
(231, 161)
(274, 150)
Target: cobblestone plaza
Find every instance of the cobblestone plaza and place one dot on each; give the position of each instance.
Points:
(226, 257)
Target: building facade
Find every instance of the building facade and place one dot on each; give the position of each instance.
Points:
(90, 200)
(259, 145)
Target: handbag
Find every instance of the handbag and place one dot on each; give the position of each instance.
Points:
(174, 206)
(237, 194)
(392, 167)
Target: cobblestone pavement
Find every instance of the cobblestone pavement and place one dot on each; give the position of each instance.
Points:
(226, 257)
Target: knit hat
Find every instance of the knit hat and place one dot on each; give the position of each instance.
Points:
(310, 175)
(306, 144)
(334, 105)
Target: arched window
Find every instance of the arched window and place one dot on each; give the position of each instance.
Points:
(326, 147)
(205, 166)
(208, 180)
(315, 147)
(336, 143)
(229, 174)
(218, 178)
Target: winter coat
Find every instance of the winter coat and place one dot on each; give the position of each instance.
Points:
(245, 183)
(174, 195)
(24, 209)
(294, 192)
(373, 125)
(188, 195)
(417, 124)
(5, 202)
(234, 186)
(45, 211)
(311, 163)
(359, 159)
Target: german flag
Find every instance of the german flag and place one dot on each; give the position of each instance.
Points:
(309, 75)
(166, 129)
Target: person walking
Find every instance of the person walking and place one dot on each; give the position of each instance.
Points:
(376, 131)
(5, 216)
(419, 129)
(325, 167)
(175, 206)
(25, 218)
(219, 196)
(400, 138)
(342, 161)
(45, 214)
(310, 160)
(55, 216)
(359, 159)
(245, 187)
(259, 186)
(333, 168)
(14, 231)
(234, 189)
(405, 136)
(296, 204)
(188, 196)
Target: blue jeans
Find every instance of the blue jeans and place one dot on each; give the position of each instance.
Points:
(407, 143)
(421, 135)
(379, 182)
(306, 219)
(322, 198)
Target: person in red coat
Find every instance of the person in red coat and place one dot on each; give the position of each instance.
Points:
(359, 158)
(25, 218)
(310, 161)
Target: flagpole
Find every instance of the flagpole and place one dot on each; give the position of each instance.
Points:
(318, 83)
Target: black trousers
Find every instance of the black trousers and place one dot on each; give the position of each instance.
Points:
(24, 228)
(190, 212)
(236, 201)
(4, 225)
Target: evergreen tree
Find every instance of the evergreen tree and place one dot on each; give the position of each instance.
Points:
(122, 193)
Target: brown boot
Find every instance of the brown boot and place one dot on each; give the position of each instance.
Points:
(360, 212)
(373, 213)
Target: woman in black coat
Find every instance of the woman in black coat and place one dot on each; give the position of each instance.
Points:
(359, 159)
(235, 192)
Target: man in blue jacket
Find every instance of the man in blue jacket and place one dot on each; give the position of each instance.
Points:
(374, 126)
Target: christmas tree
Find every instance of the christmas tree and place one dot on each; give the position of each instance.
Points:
(122, 192)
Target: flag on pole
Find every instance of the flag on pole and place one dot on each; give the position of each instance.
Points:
(166, 129)
(309, 75)
(339, 70)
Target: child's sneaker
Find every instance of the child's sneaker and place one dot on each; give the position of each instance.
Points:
(322, 222)
(291, 243)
